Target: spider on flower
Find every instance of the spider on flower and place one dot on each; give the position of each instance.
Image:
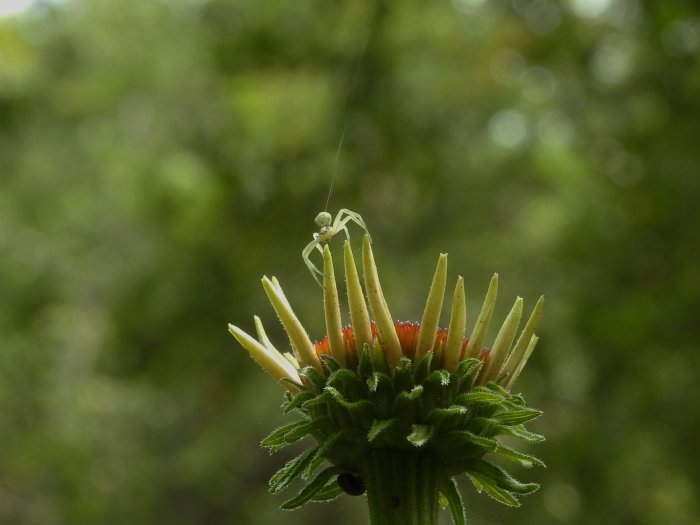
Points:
(328, 228)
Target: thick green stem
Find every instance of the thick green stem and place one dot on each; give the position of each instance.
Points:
(402, 487)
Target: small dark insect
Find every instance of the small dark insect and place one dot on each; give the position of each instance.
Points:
(351, 484)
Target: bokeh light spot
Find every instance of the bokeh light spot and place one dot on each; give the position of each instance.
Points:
(509, 128)
(13, 7)
(466, 5)
(681, 37)
(611, 64)
(590, 8)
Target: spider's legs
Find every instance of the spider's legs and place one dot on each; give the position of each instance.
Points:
(341, 225)
(354, 217)
(305, 255)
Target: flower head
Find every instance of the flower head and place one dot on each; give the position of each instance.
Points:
(380, 385)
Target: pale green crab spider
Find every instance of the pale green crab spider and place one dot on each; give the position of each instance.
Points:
(328, 228)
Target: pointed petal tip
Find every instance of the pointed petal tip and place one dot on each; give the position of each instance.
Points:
(476, 339)
(359, 315)
(240, 335)
(382, 317)
(433, 309)
(235, 331)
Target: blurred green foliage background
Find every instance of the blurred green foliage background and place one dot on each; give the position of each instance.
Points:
(158, 157)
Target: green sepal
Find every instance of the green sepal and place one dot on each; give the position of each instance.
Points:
(482, 483)
(517, 399)
(467, 372)
(438, 415)
(403, 375)
(519, 431)
(313, 488)
(525, 460)
(497, 448)
(446, 419)
(375, 381)
(407, 404)
(379, 426)
(326, 450)
(448, 489)
(347, 382)
(331, 363)
(420, 435)
(317, 401)
(479, 395)
(297, 400)
(490, 428)
(484, 442)
(437, 389)
(378, 358)
(382, 393)
(422, 370)
(413, 394)
(439, 377)
(361, 412)
(365, 368)
(466, 367)
(501, 478)
(291, 470)
(500, 390)
(516, 416)
(314, 377)
(330, 491)
(293, 432)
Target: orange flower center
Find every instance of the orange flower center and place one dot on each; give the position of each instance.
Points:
(408, 338)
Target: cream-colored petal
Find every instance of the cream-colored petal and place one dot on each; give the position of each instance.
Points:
(262, 336)
(433, 308)
(514, 376)
(504, 340)
(382, 317)
(279, 289)
(334, 327)
(358, 308)
(265, 341)
(293, 360)
(520, 348)
(268, 361)
(297, 335)
(458, 324)
(476, 340)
